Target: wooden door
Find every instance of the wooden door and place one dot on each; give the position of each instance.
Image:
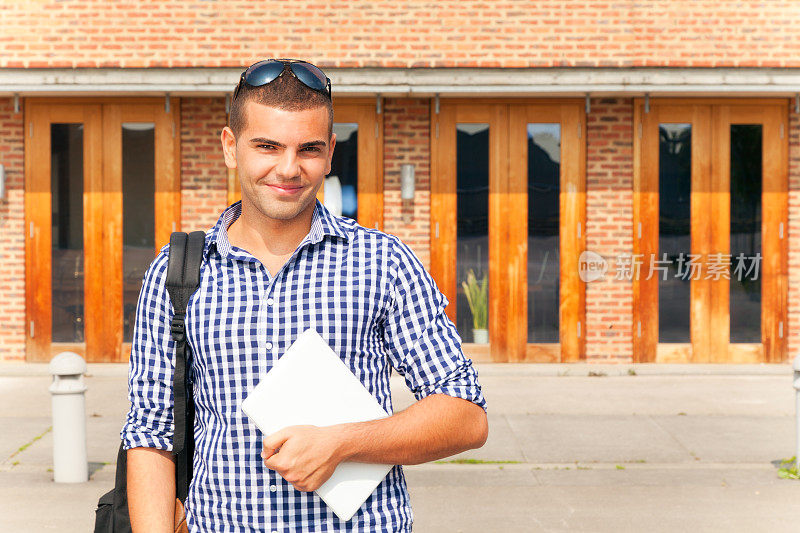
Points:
(750, 204)
(357, 161)
(692, 192)
(547, 155)
(102, 196)
(496, 166)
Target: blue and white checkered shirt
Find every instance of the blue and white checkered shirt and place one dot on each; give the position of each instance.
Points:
(365, 292)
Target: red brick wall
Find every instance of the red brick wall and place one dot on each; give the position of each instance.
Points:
(12, 235)
(609, 212)
(532, 33)
(406, 125)
(794, 236)
(203, 172)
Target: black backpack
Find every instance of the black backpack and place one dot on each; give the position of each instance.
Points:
(183, 278)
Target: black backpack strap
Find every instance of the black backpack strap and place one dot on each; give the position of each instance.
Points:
(183, 278)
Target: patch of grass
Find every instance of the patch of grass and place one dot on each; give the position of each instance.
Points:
(27, 444)
(596, 373)
(15, 463)
(681, 414)
(631, 372)
(620, 467)
(788, 469)
(476, 462)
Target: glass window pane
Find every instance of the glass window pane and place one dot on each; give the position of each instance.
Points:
(66, 181)
(544, 163)
(138, 214)
(674, 232)
(745, 287)
(341, 186)
(472, 246)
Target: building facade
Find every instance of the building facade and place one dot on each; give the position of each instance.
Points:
(623, 175)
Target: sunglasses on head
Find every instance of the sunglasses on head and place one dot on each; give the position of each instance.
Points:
(266, 71)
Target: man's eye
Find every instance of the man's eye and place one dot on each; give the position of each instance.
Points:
(265, 146)
(311, 148)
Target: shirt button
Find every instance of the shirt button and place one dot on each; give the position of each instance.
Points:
(273, 488)
(269, 345)
(270, 301)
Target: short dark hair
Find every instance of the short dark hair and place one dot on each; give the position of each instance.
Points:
(285, 92)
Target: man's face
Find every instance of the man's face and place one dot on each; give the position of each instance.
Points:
(282, 158)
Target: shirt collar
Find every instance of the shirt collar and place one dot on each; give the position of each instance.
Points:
(323, 222)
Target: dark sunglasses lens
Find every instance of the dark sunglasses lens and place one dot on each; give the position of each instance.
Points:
(263, 73)
(310, 75)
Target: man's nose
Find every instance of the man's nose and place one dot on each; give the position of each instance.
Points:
(289, 165)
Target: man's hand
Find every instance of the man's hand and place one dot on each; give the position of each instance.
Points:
(434, 427)
(305, 456)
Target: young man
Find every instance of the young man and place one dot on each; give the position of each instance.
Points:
(276, 264)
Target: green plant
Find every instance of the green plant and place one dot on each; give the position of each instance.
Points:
(475, 462)
(478, 298)
(788, 469)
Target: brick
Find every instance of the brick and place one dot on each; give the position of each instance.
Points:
(415, 34)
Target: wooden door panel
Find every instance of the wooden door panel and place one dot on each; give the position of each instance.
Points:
(774, 228)
(572, 233)
(166, 203)
(647, 345)
(514, 228)
(444, 213)
(645, 237)
(38, 210)
(443, 203)
(37, 233)
(774, 221)
(499, 283)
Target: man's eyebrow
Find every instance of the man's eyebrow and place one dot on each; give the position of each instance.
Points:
(262, 140)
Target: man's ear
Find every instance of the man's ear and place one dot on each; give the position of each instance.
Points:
(330, 153)
(228, 140)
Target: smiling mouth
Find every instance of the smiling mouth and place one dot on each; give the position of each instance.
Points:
(284, 191)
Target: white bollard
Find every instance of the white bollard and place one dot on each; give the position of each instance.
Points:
(796, 384)
(70, 464)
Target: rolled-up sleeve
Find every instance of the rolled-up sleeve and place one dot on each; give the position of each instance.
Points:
(422, 342)
(149, 422)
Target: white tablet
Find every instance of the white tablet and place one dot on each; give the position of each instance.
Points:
(310, 384)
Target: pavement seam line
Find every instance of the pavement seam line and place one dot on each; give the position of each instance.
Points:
(689, 452)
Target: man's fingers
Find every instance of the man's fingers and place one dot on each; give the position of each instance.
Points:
(266, 453)
(274, 441)
(271, 463)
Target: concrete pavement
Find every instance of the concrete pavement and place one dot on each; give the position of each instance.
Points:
(661, 448)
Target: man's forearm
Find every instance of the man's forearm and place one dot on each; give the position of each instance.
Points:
(436, 426)
(151, 490)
